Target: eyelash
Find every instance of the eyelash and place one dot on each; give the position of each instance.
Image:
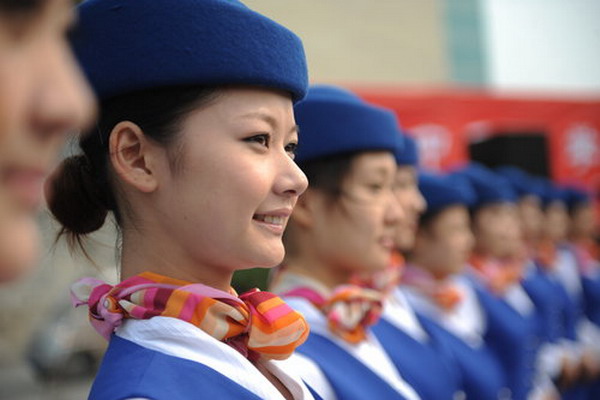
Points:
(264, 139)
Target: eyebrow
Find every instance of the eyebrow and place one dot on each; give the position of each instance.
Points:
(268, 119)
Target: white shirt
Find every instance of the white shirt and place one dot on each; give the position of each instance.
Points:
(516, 297)
(398, 312)
(181, 339)
(369, 352)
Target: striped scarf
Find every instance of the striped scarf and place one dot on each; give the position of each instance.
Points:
(350, 309)
(257, 324)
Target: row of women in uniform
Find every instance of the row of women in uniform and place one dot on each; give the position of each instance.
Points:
(387, 282)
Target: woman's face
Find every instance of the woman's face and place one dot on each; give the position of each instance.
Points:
(556, 222)
(412, 203)
(444, 244)
(498, 230)
(43, 98)
(583, 221)
(531, 216)
(229, 202)
(355, 233)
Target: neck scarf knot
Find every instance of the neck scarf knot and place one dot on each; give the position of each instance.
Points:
(349, 310)
(497, 275)
(443, 293)
(257, 324)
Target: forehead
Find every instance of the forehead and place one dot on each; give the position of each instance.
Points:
(373, 163)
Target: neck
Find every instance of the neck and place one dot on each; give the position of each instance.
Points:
(163, 257)
(439, 274)
(319, 271)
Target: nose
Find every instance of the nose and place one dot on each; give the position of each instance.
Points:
(64, 102)
(394, 212)
(290, 181)
(419, 203)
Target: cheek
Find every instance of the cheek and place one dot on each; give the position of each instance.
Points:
(14, 84)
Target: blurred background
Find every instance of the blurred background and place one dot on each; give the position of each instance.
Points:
(498, 81)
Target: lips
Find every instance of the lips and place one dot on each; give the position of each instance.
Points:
(270, 219)
(387, 242)
(24, 184)
(274, 221)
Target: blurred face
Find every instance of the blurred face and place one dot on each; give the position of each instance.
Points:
(43, 98)
(497, 230)
(556, 221)
(356, 233)
(583, 220)
(444, 244)
(228, 205)
(531, 216)
(412, 203)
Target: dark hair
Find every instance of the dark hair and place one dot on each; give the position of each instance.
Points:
(327, 173)
(81, 192)
(20, 6)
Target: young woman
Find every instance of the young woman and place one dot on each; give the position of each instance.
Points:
(343, 225)
(43, 97)
(513, 330)
(435, 288)
(193, 155)
(413, 342)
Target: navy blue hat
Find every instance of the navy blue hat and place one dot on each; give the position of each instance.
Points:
(442, 191)
(130, 45)
(576, 197)
(335, 121)
(552, 193)
(408, 154)
(489, 187)
(522, 183)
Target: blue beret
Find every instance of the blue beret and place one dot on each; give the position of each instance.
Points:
(488, 186)
(408, 154)
(522, 183)
(576, 197)
(130, 45)
(552, 193)
(442, 191)
(335, 121)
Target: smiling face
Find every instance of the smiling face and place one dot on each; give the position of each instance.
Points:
(355, 232)
(227, 205)
(413, 204)
(43, 97)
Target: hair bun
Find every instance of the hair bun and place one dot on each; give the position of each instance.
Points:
(73, 198)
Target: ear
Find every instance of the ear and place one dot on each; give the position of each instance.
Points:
(305, 210)
(132, 157)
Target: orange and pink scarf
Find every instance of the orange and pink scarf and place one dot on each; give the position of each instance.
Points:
(257, 324)
(349, 309)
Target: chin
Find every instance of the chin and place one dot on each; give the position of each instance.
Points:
(268, 258)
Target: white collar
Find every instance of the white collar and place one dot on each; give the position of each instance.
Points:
(181, 339)
(398, 311)
(467, 320)
(369, 352)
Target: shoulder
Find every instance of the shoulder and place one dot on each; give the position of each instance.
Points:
(129, 370)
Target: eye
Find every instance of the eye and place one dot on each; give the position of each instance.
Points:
(375, 187)
(262, 139)
(291, 148)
